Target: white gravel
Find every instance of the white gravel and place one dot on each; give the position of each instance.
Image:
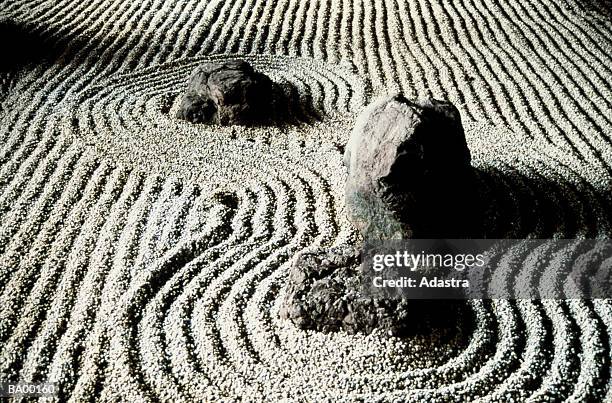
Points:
(142, 258)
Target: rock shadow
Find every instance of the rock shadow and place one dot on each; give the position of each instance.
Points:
(292, 107)
(518, 205)
(24, 45)
(498, 204)
(598, 8)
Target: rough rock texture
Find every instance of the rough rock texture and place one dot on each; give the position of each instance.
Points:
(409, 172)
(324, 293)
(409, 175)
(226, 93)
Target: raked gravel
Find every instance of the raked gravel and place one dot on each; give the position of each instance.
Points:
(142, 258)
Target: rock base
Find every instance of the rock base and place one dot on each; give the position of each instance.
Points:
(324, 294)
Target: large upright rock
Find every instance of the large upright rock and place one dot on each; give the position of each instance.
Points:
(409, 175)
(409, 172)
(226, 93)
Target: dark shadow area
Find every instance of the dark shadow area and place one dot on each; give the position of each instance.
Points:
(516, 205)
(19, 50)
(24, 46)
(601, 8)
(291, 107)
(21, 47)
(495, 204)
(445, 316)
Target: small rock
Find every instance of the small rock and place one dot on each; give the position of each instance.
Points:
(226, 93)
(409, 172)
(324, 294)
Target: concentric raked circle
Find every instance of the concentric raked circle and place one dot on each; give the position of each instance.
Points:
(143, 258)
(131, 117)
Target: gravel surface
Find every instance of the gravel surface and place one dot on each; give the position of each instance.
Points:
(143, 258)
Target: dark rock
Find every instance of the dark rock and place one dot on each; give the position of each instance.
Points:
(409, 175)
(409, 172)
(228, 92)
(324, 293)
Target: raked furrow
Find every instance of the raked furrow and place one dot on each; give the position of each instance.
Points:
(142, 258)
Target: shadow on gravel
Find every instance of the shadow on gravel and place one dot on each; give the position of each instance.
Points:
(24, 46)
(20, 47)
(293, 107)
(439, 316)
(601, 8)
(514, 205)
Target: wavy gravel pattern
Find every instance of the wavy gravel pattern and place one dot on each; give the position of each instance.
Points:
(143, 258)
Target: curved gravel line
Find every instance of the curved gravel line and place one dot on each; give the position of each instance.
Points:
(143, 258)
